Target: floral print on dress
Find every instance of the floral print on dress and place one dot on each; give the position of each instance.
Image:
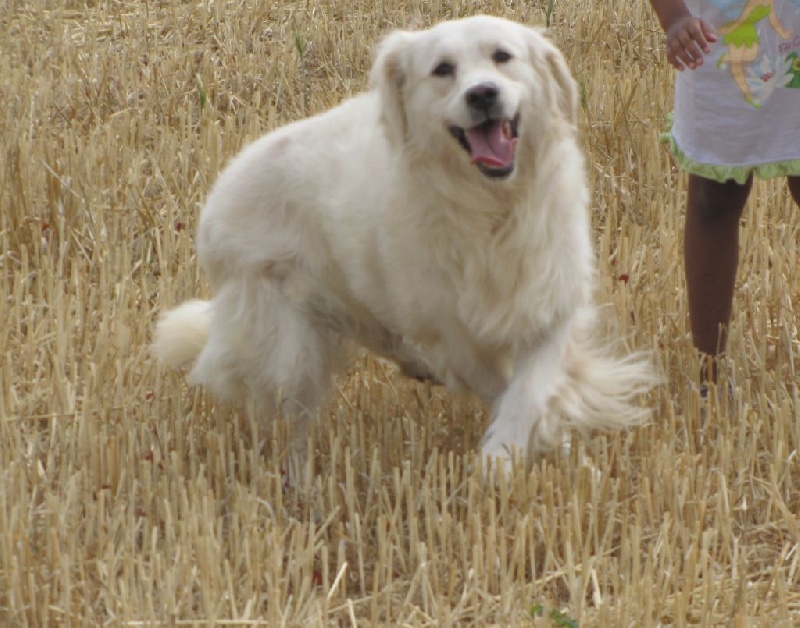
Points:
(767, 74)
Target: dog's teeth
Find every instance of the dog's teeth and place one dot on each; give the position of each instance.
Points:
(507, 128)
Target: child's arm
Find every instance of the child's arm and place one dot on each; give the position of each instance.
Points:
(687, 36)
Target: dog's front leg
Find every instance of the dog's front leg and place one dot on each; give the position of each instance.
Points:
(524, 424)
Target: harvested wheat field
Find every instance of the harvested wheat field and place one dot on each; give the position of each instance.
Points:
(127, 498)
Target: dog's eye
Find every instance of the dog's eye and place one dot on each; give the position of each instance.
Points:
(444, 68)
(501, 56)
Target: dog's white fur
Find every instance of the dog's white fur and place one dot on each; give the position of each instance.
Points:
(369, 222)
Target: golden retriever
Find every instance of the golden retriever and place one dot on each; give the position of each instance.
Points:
(439, 219)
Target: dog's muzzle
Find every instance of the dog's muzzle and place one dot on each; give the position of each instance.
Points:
(492, 142)
(491, 145)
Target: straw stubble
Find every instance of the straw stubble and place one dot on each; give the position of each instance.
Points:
(128, 498)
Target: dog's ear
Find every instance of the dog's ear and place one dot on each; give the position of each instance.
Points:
(568, 88)
(388, 76)
(562, 90)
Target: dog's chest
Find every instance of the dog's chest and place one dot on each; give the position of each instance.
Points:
(501, 288)
(511, 296)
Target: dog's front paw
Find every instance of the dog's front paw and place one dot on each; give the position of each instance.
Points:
(499, 449)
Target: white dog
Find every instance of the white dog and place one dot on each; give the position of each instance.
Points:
(440, 220)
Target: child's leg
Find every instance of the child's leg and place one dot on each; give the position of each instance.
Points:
(711, 257)
(794, 188)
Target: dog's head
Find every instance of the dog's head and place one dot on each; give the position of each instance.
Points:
(482, 86)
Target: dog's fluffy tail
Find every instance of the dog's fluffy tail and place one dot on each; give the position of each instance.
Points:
(583, 387)
(182, 333)
(601, 392)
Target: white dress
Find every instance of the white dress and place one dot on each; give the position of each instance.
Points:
(739, 112)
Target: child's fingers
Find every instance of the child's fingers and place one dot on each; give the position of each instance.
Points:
(685, 49)
(696, 34)
(675, 62)
(708, 31)
(687, 43)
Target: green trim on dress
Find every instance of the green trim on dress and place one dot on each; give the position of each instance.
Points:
(789, 168)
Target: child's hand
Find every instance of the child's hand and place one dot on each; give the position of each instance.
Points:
(687, 41)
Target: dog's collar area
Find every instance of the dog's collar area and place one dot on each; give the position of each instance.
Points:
(490, 144)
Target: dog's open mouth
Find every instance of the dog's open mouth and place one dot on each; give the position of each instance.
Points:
(491, 145)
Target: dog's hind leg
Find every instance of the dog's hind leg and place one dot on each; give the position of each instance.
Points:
(397, 349)
(263, 345)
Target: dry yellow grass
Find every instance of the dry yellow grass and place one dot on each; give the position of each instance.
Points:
(126, 498)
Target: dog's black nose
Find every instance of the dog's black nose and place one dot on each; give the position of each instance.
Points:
(482, 96)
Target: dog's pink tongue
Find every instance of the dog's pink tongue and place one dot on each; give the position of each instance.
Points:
(490, 145)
